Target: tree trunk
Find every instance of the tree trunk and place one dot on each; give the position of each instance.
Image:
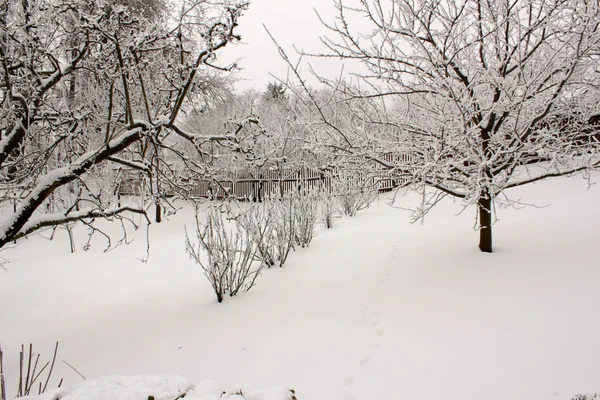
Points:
(158, 216)
(485, 222)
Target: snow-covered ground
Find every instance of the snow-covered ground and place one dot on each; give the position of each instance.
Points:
(374, 309)
(156, 387)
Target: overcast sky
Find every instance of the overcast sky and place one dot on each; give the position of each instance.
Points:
(292, 22)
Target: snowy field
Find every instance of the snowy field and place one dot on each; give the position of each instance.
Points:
(375, 308)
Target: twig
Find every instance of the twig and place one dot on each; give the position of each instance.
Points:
(51, 366)
(27, 385)
(20, 391)
(39, 373)
(74, 369)
(181, 396)
(37, 359)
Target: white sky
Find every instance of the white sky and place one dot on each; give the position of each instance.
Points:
(291, 22)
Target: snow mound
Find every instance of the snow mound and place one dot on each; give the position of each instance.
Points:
(158, 388)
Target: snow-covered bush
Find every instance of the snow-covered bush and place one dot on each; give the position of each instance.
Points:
(284, 229)
(306, 213)
(277, 225)
(328, 207)
(272, 227)
(225, 256)
(354, 192)
(259, 222)
(594, 396)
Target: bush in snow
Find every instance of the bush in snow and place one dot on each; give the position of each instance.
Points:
(354, 192)
(272, 226)
(329, 207)
(259, 222)
(305, 209)
(276, 226)
(594, 396)
(284, 229)
(33, 376)
(226, 257)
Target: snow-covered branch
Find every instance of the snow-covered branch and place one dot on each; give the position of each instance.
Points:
(92, 87)
(49, 220)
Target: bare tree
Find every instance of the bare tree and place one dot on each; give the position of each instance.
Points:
(483, 95)
(135, 77)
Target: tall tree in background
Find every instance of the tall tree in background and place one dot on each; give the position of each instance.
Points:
(275, 91)
(133, 78)
(474, 90)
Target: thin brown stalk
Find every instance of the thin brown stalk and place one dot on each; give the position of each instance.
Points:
(27, 386)
(74, 369)
(2, 386)
(51, 366)
(20, 391)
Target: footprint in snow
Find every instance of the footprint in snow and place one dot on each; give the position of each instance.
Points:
(363, 360)
(348, 380)
(374, 345)
(379, 332)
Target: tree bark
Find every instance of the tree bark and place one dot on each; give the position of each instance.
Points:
(158, 215)
(485, 221)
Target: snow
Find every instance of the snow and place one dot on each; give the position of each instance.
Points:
(159, 387)
(374, 309)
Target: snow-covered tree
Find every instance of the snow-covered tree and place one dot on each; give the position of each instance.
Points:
(275, 91)
(483, 95)
(91, 87)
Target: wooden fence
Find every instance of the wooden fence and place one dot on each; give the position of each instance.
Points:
(256, 185)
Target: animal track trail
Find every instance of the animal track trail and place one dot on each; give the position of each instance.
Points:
(392, 262)
(347, 388)
(371, 315)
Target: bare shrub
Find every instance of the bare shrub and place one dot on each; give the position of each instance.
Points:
(226, 257)
(306, 213)
(354, 191)
(328, 207)
(284, 228)
(259, 222)
(30, 376)
(276, 226)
